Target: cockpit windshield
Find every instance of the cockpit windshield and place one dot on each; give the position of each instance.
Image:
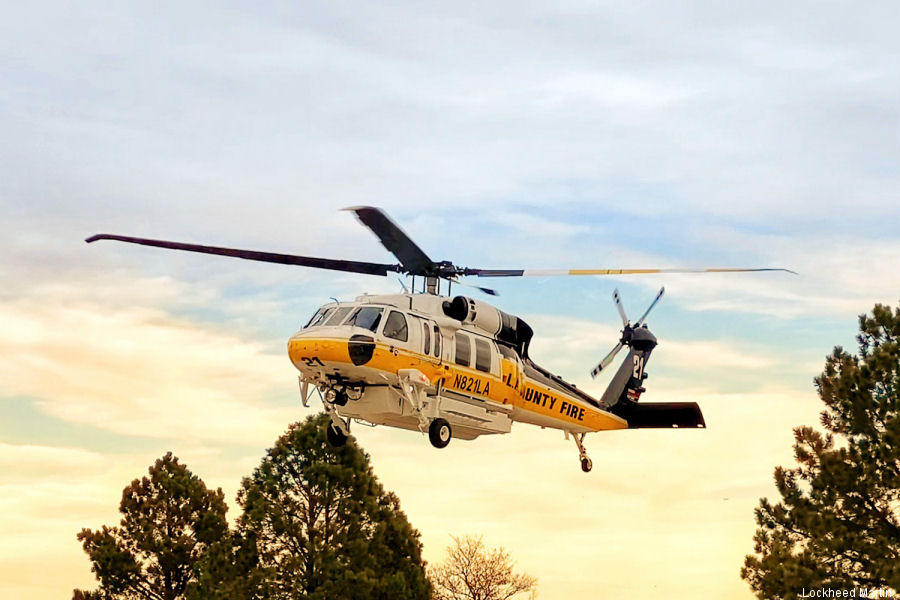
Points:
(337, 316)
(319, 317)
(367, 317)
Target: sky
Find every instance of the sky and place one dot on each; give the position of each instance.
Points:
(498, 135)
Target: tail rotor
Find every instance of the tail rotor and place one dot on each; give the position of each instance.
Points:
(627, 331)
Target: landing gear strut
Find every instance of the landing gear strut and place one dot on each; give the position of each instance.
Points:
(586, 464)
(337, 429)
(412, 389)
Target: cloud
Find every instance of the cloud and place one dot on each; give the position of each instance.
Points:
(139, 371)
(840, 276)
(49, 493)
(533, 226)
(710, 355)
(571, 347)
(548, 135)
(335, 107)
(31, 462)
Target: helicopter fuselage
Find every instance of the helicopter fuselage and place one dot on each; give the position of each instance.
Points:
(363, 351)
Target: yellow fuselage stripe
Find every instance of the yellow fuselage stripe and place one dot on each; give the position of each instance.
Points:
(511, 388)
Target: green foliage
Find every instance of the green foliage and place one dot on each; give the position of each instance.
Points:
(227, 571)
(838, 523)
(323, 525)
(169, 520)
(316, 525)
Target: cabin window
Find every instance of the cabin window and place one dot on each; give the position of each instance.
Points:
(482, 355)
(426, 337)
(437, 341)
(367, 317)
(463, 350)
(395, 327)
(337, 316)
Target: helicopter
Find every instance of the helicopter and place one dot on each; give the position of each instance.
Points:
(453, 366)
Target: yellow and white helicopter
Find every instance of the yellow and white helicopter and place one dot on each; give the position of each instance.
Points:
(453, 367)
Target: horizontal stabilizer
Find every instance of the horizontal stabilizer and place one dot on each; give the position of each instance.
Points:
(657, 415)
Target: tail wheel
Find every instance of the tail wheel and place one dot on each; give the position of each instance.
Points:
(586, 464)
(336, 438)
(439, 433)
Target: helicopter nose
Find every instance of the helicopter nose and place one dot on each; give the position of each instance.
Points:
(361, 348)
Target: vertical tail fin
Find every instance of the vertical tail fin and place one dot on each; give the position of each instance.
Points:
(627, 384)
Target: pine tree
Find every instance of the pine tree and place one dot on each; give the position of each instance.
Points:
(169, 520)
(323, 525)
(838, 522)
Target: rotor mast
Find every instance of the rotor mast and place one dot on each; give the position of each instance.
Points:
(432, 286)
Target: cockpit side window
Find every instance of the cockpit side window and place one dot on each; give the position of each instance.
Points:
(337, 316)
(367, 317)
(395, 327)
(463, 350)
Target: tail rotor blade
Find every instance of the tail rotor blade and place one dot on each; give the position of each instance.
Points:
(640, 322)
(618, 300)
(606, 360)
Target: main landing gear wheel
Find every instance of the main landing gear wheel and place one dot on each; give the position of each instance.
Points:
(335, 436)
(586, 464)
(439, 433)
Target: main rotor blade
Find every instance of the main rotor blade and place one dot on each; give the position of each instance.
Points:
(640, 322)
(487, 291)
(413, 259)
(331, 264)
(553, 272)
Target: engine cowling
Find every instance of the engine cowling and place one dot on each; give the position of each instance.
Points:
(493, 321)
